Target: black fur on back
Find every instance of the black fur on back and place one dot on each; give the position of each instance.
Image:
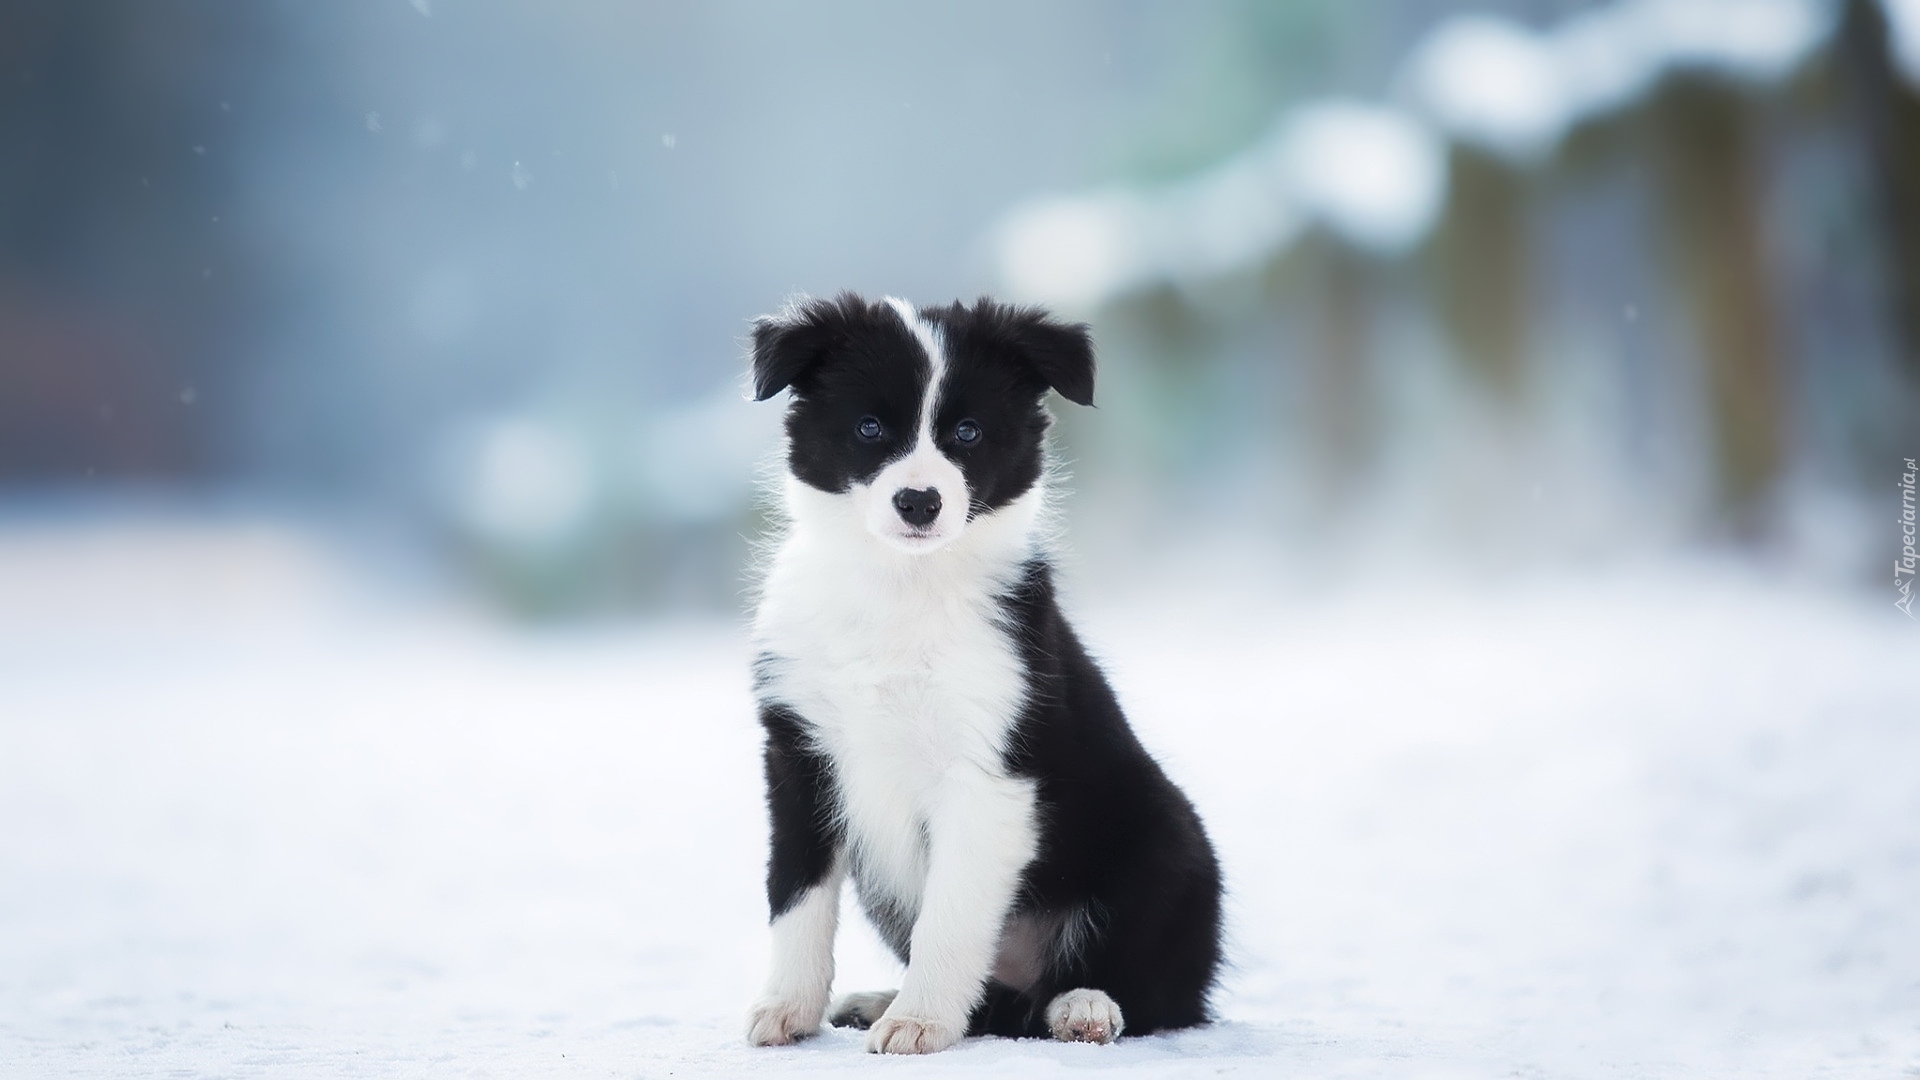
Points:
(1119, 842)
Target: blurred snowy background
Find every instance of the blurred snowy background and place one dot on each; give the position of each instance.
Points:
(1490, 513)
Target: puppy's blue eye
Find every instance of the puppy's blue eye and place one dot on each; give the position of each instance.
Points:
(967, 432)
(869, 428)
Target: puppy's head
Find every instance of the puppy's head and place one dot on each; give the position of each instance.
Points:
(926, 419)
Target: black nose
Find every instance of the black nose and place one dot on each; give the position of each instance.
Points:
(917, 508)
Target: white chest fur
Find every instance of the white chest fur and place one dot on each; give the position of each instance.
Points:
(900, 665)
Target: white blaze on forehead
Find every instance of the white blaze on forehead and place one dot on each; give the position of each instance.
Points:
(929, 338)
(923, 466)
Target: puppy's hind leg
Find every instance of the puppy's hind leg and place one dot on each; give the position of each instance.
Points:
(1085, 1016)
(860, 1010)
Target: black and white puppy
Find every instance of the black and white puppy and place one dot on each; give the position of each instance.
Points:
(934, 728)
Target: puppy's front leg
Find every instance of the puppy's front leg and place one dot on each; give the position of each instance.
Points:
(807, 864)
(801, 977)
(981, 835)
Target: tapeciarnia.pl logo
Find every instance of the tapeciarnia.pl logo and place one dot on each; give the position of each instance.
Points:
(1904, 566)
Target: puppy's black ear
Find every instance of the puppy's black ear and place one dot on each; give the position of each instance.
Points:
(787, 346)
(1061, 353)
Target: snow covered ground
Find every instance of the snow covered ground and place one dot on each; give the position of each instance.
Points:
(1663, 822)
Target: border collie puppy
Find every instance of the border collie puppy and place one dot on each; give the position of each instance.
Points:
(934, 729)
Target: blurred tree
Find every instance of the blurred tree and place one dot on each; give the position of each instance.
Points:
(1478, 268)
(1710, 199)
(1886, 114)
(1336, 285)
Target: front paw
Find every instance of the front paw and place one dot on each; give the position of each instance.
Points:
(912, 1035)
(773, 1022)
